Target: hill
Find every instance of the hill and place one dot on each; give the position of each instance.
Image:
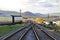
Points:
(54, 14)
(26, 14)
(8, 13)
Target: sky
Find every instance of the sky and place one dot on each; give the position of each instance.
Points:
(40, 6)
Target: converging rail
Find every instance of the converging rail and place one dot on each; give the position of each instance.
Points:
(42, 34)
(24, 33)
(31, 31)
(15, 35)
(29, 35)
(35, 33)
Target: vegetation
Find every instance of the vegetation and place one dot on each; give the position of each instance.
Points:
(58, 24)
(4, 29)
(52, 26)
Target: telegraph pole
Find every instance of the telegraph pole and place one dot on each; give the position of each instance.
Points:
(20, 12)
(48, 17)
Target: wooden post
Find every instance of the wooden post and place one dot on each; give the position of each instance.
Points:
(12, 19)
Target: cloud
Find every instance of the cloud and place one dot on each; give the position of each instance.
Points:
(43, 6)
(13, 5)
(47, 4)
(33, 1)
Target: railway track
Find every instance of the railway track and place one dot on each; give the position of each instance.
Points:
(42, 34)
(30, 32)
(35, 33)
(15, 35)
(29, 35)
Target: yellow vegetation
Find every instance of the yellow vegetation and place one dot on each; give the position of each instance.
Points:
(37, 20)
(24, 19)
(58, 24)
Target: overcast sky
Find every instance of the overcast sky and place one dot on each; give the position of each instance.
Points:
(40, 6)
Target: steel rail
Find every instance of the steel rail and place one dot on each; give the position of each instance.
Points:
(35, 33)
(24, 33)
(46, 33)
(11, 34)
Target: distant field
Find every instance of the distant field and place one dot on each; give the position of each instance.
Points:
(9, 19)
(5, 19)
(4, 29)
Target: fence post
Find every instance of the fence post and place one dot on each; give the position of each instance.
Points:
(13, 19)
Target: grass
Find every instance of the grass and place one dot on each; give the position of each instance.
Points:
(8, 28)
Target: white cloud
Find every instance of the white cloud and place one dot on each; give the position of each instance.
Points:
(43, 6)
(10, 5)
